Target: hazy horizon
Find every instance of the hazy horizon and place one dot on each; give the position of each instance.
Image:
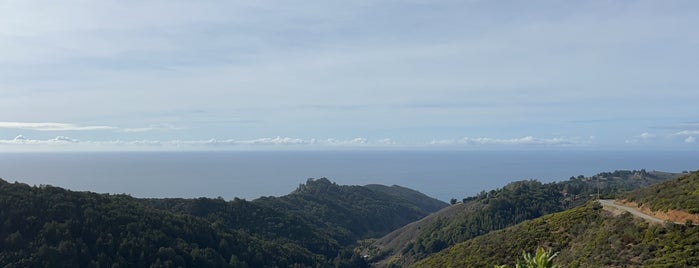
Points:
(440, 174)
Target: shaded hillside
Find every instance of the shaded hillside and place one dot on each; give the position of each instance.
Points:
(586, 236)
(52, 227)
(497, 209)
(349, 213)
(320, 215)
(383, 251)
(411, 196)
(252, 218)
(313, 226)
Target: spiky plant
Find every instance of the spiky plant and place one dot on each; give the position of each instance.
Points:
(542, 259)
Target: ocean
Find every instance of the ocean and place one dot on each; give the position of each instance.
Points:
(249, 175)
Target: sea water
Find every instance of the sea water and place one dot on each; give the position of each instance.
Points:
(249, 175)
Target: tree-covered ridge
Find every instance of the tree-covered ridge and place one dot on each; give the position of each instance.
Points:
(678, 194)
(349, 213)
(586, 236)
(315, 226)
(411, 196)
(252, 218)
(320, 216)
(512, 204)
(51, 227)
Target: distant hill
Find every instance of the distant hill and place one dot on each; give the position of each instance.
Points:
(589, 236)
(314, 226)
(415, 198)
(497, 209)
(349, 213)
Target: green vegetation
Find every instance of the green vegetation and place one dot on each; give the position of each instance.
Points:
(678, 194)
(541, 259)
(411, 196)
(512, 204)
(350, 213)
(586, 236)
(313, 227)
(51, 227)
(589, 236)
(320, 223)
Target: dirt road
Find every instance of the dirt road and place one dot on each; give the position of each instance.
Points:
(609, 203)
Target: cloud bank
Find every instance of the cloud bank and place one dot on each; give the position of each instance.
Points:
(67, 142)
(275, 143)
(52, 126)
(527, 140)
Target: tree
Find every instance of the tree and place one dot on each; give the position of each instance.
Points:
(452, 201)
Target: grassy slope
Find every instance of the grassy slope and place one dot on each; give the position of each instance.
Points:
(585, 237)
(497, 209)
(590, 237)
(678, 194)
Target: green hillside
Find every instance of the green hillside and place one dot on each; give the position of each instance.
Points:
(500, 208)
(588, 236)
(678, 194)
(416, 198)
(315, 226)
(52, 227)
(350, 213)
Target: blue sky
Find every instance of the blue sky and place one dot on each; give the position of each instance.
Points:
(227, 75)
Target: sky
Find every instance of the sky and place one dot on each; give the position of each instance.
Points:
(238, 75)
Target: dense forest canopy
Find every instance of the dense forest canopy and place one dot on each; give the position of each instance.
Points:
(314, 226)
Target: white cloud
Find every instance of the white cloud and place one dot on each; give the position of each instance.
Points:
(690, 139)
(51, 126)
(687, 132)
(643, 137)
(150, 128)
(528, 140)
(22, 140)
(213, 144)
(386, 141)
(63, 139)
(140, 129)
(646, 135)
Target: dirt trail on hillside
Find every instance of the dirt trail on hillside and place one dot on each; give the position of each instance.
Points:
(609, 203)
(678, 217)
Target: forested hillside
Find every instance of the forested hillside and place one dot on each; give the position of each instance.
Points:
(319, 224)
(678, 194)
(349, 213)
(52, 227)
(312, 227)
(500, 208)
(589, 236)
(586, 236)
